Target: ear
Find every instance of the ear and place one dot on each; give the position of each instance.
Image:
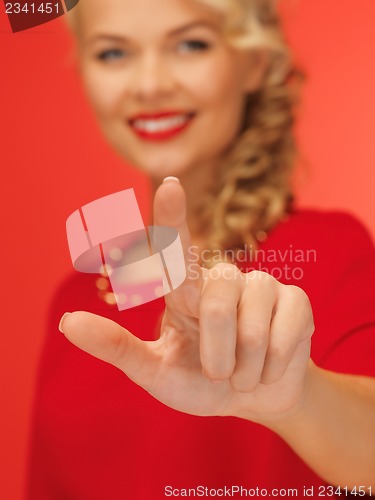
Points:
(256, 66)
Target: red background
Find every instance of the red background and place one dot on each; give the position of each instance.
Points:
(53, 160)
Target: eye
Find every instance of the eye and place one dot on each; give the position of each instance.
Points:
(193, 46)
(111, 55)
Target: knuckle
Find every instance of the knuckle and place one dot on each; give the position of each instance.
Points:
(278, 352)
(256, 338)
(297, 295)
(298, 300)
(310, 329)
(225, 265)
(119, 348)
(218, 309)
(224, 270)
(260, 277)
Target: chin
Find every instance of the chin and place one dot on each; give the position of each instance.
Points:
(160, 168)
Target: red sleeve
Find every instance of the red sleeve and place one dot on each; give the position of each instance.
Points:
(345, 323)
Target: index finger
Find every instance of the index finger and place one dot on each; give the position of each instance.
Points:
(170, 210)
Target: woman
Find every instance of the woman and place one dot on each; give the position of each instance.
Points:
(201, 90)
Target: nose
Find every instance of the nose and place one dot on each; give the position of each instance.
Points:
(152, 78)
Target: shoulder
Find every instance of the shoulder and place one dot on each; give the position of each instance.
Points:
(326, 247)
(326, 230)
(328, 221)
(340, 285)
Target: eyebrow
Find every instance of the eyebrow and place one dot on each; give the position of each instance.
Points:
(173, 32)
(193, 24)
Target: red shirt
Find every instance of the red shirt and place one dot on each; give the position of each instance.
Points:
(96, 435)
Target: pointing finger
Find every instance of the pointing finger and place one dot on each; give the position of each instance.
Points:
(170, 210)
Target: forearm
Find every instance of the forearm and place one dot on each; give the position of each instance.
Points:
(334, 429)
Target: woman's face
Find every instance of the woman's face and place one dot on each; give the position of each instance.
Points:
(166, 87)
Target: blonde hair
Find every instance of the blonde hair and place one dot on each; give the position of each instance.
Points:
(253, 191)
(253, 186)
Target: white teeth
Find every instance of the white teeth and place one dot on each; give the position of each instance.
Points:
(160, 124)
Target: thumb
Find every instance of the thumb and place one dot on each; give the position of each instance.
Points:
(108, 341)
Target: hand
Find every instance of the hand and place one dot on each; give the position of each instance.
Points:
(230, 344)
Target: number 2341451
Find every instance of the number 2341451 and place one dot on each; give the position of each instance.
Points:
(33, 8)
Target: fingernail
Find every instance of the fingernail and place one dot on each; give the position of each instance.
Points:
(61, 324)
(171, 178)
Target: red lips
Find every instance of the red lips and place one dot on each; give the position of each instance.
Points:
(161, 125)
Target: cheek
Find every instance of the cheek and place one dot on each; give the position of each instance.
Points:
(220, 96)
(103, 91)
(216, 83)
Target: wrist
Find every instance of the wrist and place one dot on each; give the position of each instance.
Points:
(285, 421)
(289, 412)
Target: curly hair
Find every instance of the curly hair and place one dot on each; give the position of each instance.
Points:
(253, 189)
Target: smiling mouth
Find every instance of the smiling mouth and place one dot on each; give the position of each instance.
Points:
(160, 126)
